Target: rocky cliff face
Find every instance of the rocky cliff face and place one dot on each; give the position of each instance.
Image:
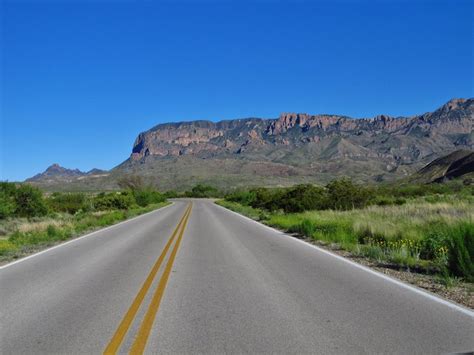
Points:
(396, 140)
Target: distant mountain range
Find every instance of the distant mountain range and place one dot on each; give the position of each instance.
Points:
(57, 174)
(290, 149)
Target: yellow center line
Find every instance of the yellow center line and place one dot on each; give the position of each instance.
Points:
(139, 344)
(122, 329)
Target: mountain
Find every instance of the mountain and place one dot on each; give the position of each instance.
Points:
(57, 174)
(458, 164)
(293, 148)
(299, 147)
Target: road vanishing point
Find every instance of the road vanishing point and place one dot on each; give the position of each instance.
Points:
(194, 277)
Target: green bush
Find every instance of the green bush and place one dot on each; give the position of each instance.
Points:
(268, 199)
(343, 194)
(245, 198)
(304, 198)
(29, 202)
(147, 196)
(7, 205)
(7, 199)
(435, 242)
(69, 202)
(113, 201)
(202, 191)
(171, 194)
(340, 194)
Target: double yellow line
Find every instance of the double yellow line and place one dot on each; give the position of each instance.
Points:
(141, 338)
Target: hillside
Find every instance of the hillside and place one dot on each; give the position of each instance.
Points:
(289, 149)
(458, 164)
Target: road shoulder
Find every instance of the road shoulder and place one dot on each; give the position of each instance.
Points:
(459, 296)
(32, 251)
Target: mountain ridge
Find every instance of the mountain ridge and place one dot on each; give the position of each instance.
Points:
(293, 148)
(201, 137)
(56, 172)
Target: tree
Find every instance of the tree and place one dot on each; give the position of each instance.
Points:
(29, 202)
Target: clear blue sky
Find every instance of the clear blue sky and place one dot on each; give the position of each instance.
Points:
(80, 79)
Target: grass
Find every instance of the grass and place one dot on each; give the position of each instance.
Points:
(248, 211)
(431, 236)
(21, 235)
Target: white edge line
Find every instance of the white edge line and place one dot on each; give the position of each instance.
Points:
(365, 268)
(81, 237)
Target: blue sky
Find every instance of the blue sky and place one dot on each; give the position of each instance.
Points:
(80, 79)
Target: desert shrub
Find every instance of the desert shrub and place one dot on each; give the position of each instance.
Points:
(435, 242)
(29, 201)
(113, 201)
(147, 196)
(143, 194)
(171, 194)
(201, 191)
(8, 188)
(268, 199)
(7, 199)
(7, 205)
(245, 198)
(303, 198)
(343, 194)
(339, 194)
(69, 202)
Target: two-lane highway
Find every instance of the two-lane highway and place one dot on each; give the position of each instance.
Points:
(196, 278)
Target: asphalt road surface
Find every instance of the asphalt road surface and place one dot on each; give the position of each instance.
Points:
(197, 278)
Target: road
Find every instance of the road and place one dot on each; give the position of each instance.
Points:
(202, 279)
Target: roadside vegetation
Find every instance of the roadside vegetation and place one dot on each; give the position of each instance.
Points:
(197, 191)
(31, 219)
(426, 228)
